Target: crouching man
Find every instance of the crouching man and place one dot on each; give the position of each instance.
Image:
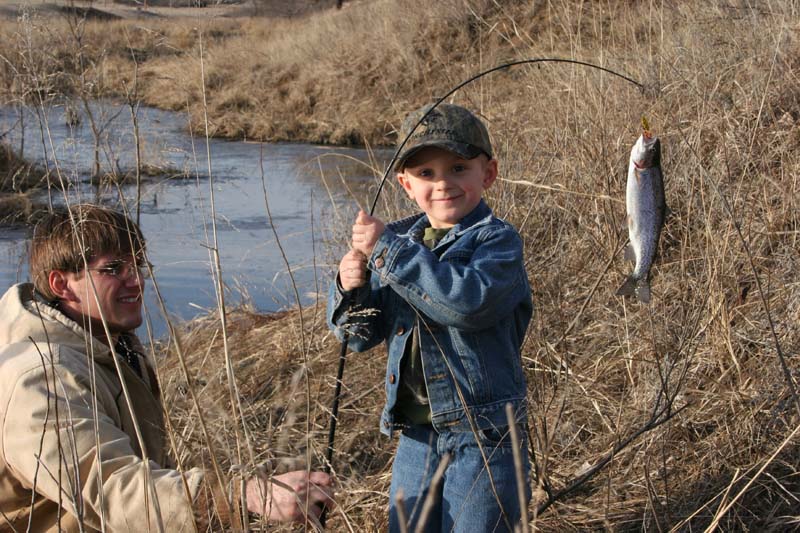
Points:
(82, 443)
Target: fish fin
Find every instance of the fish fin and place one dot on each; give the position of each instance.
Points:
(628, 288)
(630, 254)
(643, 291)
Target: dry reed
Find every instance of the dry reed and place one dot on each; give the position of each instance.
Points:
(722, 92)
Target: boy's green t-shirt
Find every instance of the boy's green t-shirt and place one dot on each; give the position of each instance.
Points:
(412, 394)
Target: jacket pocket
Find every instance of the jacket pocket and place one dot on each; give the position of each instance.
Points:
(469, 348)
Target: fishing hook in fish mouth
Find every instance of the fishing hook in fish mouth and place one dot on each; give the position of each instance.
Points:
(389, 167)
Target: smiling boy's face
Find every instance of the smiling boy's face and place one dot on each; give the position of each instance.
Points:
(446, 186)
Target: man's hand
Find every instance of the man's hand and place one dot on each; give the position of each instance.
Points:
(290, 497)
(366, 232)
(353, 270)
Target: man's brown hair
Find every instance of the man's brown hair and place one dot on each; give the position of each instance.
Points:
(62, 238)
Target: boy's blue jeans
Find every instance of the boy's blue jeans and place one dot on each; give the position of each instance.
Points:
(465, 501)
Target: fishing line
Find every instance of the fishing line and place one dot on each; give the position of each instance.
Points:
(389, 168)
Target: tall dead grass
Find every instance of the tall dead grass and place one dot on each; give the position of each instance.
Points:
(17, 179)
(721, 90)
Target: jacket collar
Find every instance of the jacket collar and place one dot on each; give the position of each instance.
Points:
(26, 316)
(414, 226)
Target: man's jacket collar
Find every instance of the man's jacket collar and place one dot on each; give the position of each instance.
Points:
(26, 316)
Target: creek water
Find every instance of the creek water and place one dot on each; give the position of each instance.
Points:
(305, 185)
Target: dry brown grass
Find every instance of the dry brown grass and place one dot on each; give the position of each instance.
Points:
(16, 174)
(18, 180)
(721, 90)
(268, 364)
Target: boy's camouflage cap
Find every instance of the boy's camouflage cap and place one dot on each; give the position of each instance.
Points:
(450, 127)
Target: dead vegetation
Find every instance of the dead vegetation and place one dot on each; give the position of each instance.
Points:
(721, 89)
(18, 180)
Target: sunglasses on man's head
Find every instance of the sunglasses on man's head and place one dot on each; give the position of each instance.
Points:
(124, 270)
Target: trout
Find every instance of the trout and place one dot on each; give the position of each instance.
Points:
(646, 209)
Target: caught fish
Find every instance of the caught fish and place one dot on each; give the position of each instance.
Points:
(646, 208)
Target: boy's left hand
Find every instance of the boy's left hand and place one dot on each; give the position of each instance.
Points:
(366, 232)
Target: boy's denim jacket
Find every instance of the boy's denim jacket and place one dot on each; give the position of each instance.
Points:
(471, 300)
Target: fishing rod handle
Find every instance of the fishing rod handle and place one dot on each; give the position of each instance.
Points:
(335, 405)
(334, 416)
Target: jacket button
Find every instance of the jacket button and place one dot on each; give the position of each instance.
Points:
(401, 330)
(379, 262)
(392, 379)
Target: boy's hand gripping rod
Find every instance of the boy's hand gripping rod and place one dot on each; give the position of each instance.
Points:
(343, 351)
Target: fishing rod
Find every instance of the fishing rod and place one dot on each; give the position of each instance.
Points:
(346, 337)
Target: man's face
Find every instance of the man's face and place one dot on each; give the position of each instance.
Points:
(119, 286)
(444, 185)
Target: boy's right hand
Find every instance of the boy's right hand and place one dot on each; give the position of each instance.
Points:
(353, 270)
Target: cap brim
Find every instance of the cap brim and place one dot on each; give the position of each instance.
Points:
(466, 151)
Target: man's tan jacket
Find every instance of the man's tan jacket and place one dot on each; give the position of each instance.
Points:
(69, 451)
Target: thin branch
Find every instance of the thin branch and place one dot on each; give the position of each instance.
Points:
(664, 415)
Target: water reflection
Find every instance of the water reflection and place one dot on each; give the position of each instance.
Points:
(301, 182)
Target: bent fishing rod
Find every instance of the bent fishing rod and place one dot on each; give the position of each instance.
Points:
(346, 337)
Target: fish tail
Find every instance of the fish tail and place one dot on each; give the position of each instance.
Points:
(636, 287)
(628, 288)
(643, 291)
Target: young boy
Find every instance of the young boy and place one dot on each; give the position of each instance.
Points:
(453, 303)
